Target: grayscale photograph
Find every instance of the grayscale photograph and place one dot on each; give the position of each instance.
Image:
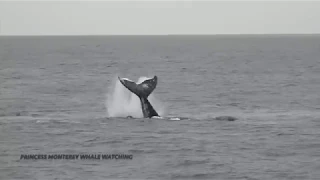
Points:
(171, 89)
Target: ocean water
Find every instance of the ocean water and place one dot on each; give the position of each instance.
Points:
(59, 95)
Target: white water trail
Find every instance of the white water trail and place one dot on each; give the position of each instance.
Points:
(121, 102)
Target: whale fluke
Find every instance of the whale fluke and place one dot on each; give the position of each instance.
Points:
(142, 90)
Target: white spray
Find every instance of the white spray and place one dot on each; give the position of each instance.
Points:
(123, 103)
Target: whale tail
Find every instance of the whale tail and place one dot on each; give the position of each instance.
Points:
(143, 89)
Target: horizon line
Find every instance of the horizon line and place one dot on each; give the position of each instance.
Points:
(231, 34)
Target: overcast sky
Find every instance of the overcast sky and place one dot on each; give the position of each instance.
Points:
(158, 17)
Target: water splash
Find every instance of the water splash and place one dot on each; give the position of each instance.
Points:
(121, 102)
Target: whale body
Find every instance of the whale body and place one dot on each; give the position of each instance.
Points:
(144, 89)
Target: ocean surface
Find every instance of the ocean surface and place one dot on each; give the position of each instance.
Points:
(60, 95)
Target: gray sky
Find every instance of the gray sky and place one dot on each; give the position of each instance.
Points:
(158, 17)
